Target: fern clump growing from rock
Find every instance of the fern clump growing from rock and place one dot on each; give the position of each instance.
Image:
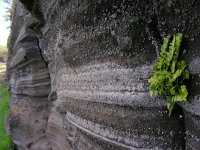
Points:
(170, 73)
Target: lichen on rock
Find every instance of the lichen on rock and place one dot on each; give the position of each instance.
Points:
(78, 74)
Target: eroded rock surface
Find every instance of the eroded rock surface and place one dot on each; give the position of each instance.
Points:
(78, 73)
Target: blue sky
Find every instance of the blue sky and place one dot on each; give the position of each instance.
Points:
(4, 32)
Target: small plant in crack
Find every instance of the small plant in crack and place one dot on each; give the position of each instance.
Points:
(170, 73)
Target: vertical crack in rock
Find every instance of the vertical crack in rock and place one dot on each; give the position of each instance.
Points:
(41, 54)
(179, 112)
(155, 34)
(49, 105)
(30, 85)
(92, 93)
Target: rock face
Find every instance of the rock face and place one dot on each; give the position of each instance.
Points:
(2, 59)
(78, 73)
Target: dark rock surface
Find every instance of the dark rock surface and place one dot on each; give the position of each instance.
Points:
(78, 73)
(2, 59)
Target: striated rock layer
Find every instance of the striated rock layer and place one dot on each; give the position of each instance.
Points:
(78, 73)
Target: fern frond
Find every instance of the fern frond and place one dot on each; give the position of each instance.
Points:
(169, 73)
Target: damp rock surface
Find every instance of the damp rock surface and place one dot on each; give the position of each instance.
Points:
(78, 72)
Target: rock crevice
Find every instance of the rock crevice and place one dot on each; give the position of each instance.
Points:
(78, 73)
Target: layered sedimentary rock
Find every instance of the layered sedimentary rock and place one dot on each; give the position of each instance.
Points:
(78, 73)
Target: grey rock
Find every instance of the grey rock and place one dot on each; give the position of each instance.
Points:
(78, 74)
(52, 96)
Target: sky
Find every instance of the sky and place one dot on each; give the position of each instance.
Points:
(4, 31)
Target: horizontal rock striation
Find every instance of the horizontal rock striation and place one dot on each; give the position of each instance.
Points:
(78, 73)
(29, 85)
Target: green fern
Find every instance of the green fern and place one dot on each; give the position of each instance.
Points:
(170, 73)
